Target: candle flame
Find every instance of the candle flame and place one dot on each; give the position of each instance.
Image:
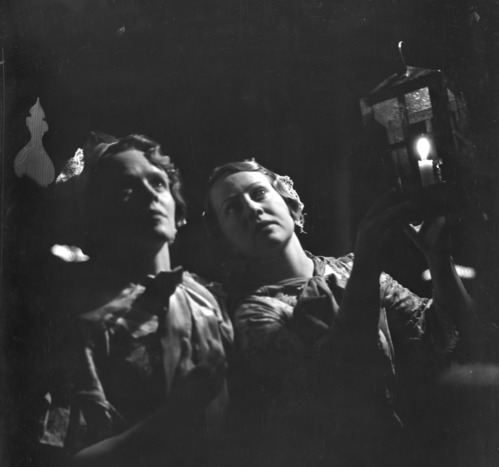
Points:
(423, 147)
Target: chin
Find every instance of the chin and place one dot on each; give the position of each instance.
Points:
(156, 237)
(165, 236)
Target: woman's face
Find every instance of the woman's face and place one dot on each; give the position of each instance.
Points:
(137, 208)
(254, 218)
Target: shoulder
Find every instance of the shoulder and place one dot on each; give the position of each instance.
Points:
(209, 295)
(210, 290)
(342, 263)
(261, 307)
(118, 312)
(194, 280)
(340, 266)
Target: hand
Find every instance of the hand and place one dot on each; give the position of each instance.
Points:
(158, 437)
(387, 215)
(432, 237)
(199, 384)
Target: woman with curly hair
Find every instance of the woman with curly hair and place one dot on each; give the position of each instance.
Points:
(148, 379)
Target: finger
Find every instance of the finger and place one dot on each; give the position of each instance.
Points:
(397, 215)
(414, 228)
(437, 224)
(413, 233)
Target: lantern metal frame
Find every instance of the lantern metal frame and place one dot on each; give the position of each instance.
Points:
(398, 154)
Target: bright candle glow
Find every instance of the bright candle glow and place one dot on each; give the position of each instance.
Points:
(423, 147)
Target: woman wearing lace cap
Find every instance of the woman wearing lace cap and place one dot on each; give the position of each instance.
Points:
(317, 337)
(149, 370)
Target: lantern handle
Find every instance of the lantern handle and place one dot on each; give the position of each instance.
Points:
(403, 68)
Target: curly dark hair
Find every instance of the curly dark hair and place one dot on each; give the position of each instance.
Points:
(92, 183)
(282, 184)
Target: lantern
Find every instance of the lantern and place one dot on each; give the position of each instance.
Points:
(411, 120)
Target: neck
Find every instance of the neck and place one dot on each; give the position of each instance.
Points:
(134, 266)
(291, 262)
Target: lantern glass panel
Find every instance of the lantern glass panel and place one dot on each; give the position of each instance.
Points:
(403, 164)
(405, 171)
(388, 114)
(399, 169)
(418, 105)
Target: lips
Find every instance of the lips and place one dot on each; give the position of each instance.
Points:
(155, 210)
(154, 214)
(261, 226)
(157, 213)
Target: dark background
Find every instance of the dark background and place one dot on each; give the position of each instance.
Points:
(215, 81)
(218, 80)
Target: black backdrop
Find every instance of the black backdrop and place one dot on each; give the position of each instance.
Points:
(218, 80)
(214, 81)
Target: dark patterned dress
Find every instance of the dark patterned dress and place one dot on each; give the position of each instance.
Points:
(326, 393)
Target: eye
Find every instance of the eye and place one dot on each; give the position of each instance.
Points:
(259, 193)
(232, 207)
(159, 183)
(126, 192)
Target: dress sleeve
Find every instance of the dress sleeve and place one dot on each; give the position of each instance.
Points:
(421, 320)
(218, 298)
(424, 337)
(265, 341)
(225, 324)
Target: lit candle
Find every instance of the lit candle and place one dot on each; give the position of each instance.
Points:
(425, 165)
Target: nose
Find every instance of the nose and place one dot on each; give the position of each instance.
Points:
(253, 208)
(147, 193)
